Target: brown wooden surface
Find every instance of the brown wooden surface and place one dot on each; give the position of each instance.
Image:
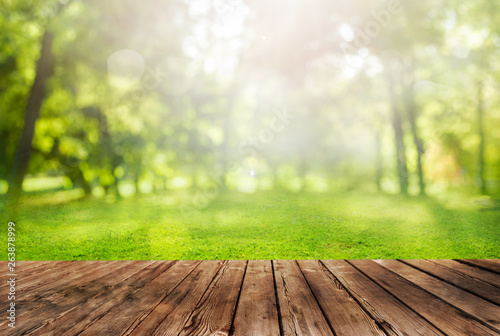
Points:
(214, 313)
(257, 312)
(139, 303)
(475, 286)
(471, 271)
(340, 308)
(300, 312)
(172, 313)
(389, 312)
(282, 297)
(437, 311)
(486, 312)
(488, 264)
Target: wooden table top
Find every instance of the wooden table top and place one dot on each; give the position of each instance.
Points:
(256, 297)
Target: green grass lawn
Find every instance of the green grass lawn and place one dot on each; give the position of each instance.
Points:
(263, 225)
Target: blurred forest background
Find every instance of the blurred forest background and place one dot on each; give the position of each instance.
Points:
(109, 99)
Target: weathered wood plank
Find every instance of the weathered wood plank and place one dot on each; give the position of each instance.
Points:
(444, 316)
(23, 266)
(342, 311)
(76, 320)
(122, 316)
(85, 284)
(171, 314)
(257, 312)
(486, 312)
(63, 273)
(395, 317)
(32, 298)
(472, 271)
(478, 287)
(214, 313)
(48, 308)
(300, 313)
(36, 274)
(491, 265)
(408, 297)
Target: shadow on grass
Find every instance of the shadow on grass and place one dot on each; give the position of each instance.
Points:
(264, 225)
(335, 226)
(469, 231)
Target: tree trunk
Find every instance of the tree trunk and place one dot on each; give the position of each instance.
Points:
(78, 179)
(410, 105)
(155, 178)
(87, 188)
(45, 68)
(117, 188)
(136, 183)
(107, 144)
(480, 122)
(402, 167)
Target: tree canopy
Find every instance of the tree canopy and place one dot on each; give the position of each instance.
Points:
(396, 95)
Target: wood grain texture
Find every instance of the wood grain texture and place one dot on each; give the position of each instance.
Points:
(306, 297)
(26, 267)
(75, 320)
(487, 264)
(171, 314)
(34, 274)
(446, 317)
(394, 317)
(257, 312)
(342, 311)
(486, 312)
(478, 287)
(60, 276)
(300, 313)
(214, 313)
(139, 303)
(33, 298)
(472, 271)
(65, 287)
(53, 306)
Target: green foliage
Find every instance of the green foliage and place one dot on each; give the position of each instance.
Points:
(204, 89)
(148, 96)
